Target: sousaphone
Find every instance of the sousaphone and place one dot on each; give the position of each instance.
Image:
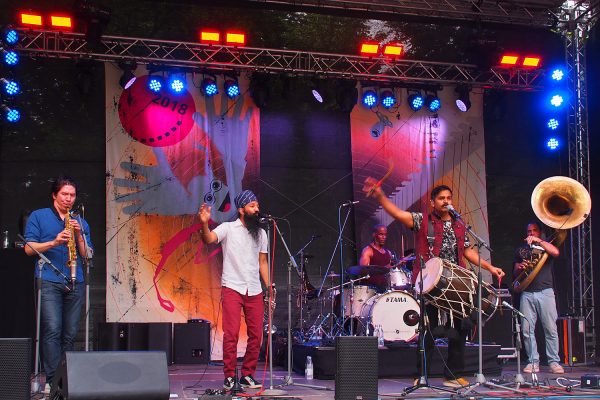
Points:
(561, 203)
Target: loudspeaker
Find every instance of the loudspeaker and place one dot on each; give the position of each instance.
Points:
(15, 369)
(357, 368)
(99, 375)
(120, 336)
(191, 343)
(571, 337)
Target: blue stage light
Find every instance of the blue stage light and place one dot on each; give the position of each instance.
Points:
(209, 87)
(433, 103)
(369, 98)
(388, 100)
(557, 100)
(415, 101)
(11, 114)
(557, 75)
(553, 143)
(553, 124)
(232, 88)
(177, 84)
(155, 84)
(10, 36)
(10, 57)
(10, 87)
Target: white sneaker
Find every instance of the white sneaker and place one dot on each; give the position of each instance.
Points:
(535, 367)
(556, 368)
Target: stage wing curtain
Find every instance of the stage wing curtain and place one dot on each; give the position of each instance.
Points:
(166, 154)
(420, 150)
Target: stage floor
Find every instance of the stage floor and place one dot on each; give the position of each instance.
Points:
(192, 381)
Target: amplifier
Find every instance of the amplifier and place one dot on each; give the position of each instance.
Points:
(571, 336)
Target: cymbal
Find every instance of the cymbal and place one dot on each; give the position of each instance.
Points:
(404, 260)
(333, 275)
(367, 270)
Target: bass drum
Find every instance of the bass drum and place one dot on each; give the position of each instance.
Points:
(396, 311)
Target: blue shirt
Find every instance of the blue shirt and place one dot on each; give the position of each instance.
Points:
(42, 226)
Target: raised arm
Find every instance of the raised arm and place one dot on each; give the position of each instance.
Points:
(377, 193)
(208, 236)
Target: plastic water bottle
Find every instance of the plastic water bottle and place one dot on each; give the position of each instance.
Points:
(380, 340)
(308, 371)
(5, 240)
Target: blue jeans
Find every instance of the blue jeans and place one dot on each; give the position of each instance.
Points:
(61, 312)
(540, 305)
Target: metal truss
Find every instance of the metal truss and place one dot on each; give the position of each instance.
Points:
(210, 57)
(575, 34)
(533, 13)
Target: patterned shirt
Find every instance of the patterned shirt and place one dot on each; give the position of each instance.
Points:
(449, 250)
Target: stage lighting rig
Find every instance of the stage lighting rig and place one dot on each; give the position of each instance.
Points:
(231, 86)
(433, 102)
(463, 102)
(209, 87)
(415, 99)
(128, 77)
(388, 98)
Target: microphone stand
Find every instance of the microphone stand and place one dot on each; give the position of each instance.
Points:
(40, 264)
(481, 380)
(303, 281)
(288, 380)
(338, 243)
(87, 260)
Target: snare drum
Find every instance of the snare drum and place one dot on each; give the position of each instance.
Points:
(396, 311)
(454, 289)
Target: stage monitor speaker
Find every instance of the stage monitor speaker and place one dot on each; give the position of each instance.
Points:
(191, 343)
(130, 375)
(357, 368)
(15, 369)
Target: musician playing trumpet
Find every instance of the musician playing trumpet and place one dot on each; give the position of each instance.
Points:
(537, 299)
(438, 234)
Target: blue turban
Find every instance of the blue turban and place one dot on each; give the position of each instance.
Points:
(244, 198)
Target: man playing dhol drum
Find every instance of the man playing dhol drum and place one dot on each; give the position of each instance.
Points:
(438, 235)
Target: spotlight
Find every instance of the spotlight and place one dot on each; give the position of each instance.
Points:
(552, 124)
(415, 101)
(260, 90)
(128, 77)
(208, 87)
(155, 83)
(10, 57)
(11, 114)
(232, 87)
(463, 102)
(556, 100)
(177, 84)
(553, 143)
(369, 98)
(96, 19)
(433, 103)
(10, 36)
(557, 74)
(10, 87)
(388, 98)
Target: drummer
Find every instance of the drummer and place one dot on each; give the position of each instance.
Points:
(376, 254)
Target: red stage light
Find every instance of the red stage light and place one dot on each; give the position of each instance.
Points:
(210, 37)
(393, 50)
(509, 59)
(532, 61)
(30, 19)
(369, 49)
(58, 21)
(235, 38)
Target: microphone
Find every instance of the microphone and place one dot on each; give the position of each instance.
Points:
(452, 211)
(350, 203)
(519, 313)
(264, 218)
(316, 236)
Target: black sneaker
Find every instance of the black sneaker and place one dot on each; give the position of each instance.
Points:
(250, 383)
(228, 383)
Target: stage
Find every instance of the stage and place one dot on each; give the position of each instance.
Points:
(192, 381)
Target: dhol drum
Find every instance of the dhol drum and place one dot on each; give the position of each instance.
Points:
(354, 299)
(396, 311)
(454, 289)
(399, 279)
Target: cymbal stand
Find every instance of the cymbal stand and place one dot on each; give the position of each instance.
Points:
(303, 287)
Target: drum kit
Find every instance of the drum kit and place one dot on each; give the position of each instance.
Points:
(395, 309)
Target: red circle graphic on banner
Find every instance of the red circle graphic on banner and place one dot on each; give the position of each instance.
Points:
(155, 119)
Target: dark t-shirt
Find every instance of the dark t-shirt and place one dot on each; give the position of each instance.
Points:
(543, 279)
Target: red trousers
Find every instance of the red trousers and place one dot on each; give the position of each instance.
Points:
(233, 304)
